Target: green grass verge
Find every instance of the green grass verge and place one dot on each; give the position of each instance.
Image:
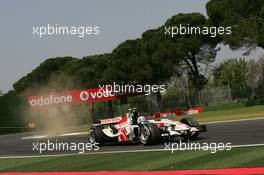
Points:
(232, 114)
(225, 115)
(151, 161)
(225, 106)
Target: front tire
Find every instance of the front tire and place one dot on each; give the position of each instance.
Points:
(100, 137)
(91, 136)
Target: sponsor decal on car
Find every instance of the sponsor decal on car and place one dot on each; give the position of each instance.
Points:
(110, 120)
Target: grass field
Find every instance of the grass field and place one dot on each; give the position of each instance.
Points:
(152, 161)
(225, 106)
(232, 114)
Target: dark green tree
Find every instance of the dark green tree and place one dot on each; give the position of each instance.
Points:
(189, 52)
(246, 17)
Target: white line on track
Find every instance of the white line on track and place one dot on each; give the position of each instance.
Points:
(61, 135)
(35, 137)
(74, 134)
(229, 121)
(112, 152)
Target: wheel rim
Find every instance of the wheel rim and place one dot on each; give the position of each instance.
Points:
(91, 137)
(144, 135)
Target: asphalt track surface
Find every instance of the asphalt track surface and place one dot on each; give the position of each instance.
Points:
(236, 133)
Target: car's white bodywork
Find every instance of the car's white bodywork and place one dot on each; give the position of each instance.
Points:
(123, 128)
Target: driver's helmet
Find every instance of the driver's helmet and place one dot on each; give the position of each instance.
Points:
(141, 120)
(134, 114)
(133, 110)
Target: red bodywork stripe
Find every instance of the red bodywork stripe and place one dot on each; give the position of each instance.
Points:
(123, 120)
(160, 124)
(123, 136)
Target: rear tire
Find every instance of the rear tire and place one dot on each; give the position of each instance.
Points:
(99, 136)
(150, 134)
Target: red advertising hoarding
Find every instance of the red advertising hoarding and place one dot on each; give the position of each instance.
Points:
(76, 97)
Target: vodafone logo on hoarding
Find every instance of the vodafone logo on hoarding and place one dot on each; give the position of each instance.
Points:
(52, 99)
(100, 94)
(70, 97)
(74, 97)
(84, 96)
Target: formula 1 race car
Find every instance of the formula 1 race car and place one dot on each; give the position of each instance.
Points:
(131, 128)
